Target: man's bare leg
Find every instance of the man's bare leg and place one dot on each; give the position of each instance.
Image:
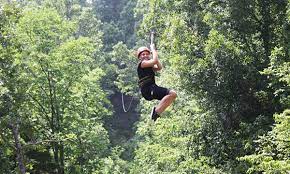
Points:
(166, 101)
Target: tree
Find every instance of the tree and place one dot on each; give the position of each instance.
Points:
(11, 96)
(218, 49)
(273, 150)
(59, 86)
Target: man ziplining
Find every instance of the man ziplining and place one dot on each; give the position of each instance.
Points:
(146, 73)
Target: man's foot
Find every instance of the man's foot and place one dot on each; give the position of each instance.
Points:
(154, 114)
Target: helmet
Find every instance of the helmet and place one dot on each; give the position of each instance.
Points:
(142, 49)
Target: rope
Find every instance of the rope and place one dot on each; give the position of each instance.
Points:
(123, 104)
(153, 22)
(152, 37)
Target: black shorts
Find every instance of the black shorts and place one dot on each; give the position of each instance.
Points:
(153, 91)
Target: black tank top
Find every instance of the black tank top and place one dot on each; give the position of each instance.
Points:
(145, 72)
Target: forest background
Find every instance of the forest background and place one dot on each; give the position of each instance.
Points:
(66, 63)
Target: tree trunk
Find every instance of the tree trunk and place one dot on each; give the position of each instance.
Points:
(19, 156)
(265, 28)
(61, 154)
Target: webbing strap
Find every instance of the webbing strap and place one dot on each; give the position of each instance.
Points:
(145, 80)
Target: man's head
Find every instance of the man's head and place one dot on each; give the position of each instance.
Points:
(143, 53)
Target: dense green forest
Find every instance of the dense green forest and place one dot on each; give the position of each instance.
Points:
(65, 65)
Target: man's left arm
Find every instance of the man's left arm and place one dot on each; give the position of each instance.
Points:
(158, 66)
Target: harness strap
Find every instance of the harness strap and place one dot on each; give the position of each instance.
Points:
(145, 80)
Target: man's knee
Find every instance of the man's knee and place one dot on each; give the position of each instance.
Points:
(172, 94)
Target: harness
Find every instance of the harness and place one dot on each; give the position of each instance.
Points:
(146, 80)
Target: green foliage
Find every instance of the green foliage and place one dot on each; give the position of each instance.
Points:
(10, 94)
(176, 142)
(127, 63)
(280, 79)
(67, 82)
(86, 146)
(217, 52)
(43, 30)
(118, 21)
(127, 23)
(228, 62)
(112, 35)
(273, 152)
(113, 163)
(62, 99)
(89, 25)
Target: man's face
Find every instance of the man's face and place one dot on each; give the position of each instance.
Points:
(145, 55)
